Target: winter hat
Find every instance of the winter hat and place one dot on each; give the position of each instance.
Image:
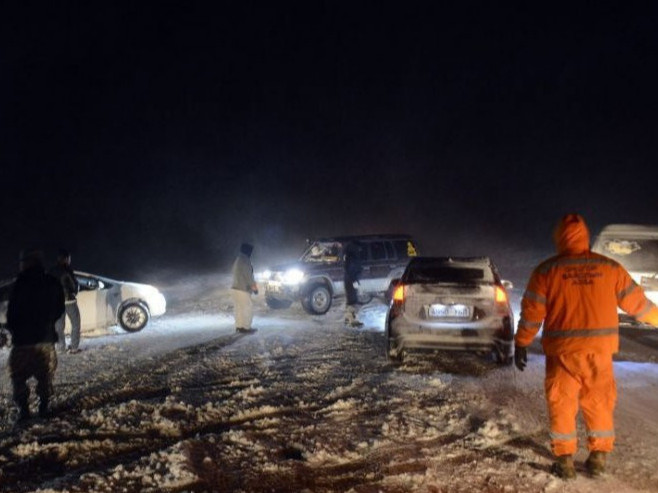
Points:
(571, 234)
(246, 248)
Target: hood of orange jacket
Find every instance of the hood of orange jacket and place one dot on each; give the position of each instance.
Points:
(571, 235)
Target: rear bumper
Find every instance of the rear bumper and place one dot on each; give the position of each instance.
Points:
(474, 336)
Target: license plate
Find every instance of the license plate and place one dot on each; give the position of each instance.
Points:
(449, 311)
(273, 287)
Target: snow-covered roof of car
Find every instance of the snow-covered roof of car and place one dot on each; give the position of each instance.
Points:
(485, 261)
(102, 278)
(370, 237)
(630, 230)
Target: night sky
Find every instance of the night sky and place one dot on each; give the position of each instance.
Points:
(155, 137)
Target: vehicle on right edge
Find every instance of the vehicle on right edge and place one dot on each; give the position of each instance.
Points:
(450, 303)
(635, 247)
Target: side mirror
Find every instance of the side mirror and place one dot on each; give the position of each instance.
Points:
(507, 284)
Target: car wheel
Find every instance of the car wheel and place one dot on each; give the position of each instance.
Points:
(503, 355)
(133, 317)
(317, 300)
(276, 304)
(364, 298)
(393, 354)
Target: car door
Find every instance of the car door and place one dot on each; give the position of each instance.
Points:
(92, 302)
(382, 257)
(366, 282)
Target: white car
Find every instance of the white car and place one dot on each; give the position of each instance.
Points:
(105, 302)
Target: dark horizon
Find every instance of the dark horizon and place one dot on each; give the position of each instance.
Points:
(157, 137)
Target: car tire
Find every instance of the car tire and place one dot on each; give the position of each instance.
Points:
(276, 304)
(392, 354)
(317, 300)
(364, 298)
(503, 355)
(134, 316)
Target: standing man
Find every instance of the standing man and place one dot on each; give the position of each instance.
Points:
(575, 295)
(64, 273)
(35, 304)
(244, 285)
(353, 267)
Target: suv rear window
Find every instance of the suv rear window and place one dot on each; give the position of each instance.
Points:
(430, 272)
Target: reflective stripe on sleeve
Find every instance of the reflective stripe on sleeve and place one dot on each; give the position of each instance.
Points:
(625, 292)
(563, 436)
(564, 333)
(532, 325)
(531, 295)
(601, 433)
(644, 310)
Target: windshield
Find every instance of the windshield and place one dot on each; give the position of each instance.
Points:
(633, 254)
(322, 251)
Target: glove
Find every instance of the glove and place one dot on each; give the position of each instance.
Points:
(520, 357)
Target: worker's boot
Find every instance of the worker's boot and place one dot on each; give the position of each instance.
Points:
(350, 317)
(564, 468)
(595, 463)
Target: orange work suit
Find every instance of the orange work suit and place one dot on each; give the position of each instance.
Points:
(575, 296)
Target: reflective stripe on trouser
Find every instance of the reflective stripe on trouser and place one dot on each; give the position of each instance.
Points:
(73, 312)
(244, 313)
(584, 379)
(38, 361)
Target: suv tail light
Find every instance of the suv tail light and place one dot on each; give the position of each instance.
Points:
(501, 295)
(398, 294)
(397, 300)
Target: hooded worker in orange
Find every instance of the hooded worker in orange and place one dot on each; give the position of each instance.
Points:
(575, 294)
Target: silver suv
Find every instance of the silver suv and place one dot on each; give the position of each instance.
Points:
(317, 277)
(450, 303)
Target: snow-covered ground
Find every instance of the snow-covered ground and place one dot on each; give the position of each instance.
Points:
(304, 405)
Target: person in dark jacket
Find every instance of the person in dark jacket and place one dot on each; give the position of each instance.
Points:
(353, 267)
(64, 273)
(35, 304)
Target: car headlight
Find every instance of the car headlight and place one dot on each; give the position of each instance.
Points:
(293, 276)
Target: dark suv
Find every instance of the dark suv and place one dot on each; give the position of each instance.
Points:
(317, 277)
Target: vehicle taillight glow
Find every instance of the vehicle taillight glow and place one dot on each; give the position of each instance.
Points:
(398, 294)
(501, 295)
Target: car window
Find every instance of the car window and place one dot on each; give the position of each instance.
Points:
(362, 251)
(377, 250)
(633, 254)
(390, 251)
(321, 251)
(405, 248)
(432, 273)
(88, 283)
